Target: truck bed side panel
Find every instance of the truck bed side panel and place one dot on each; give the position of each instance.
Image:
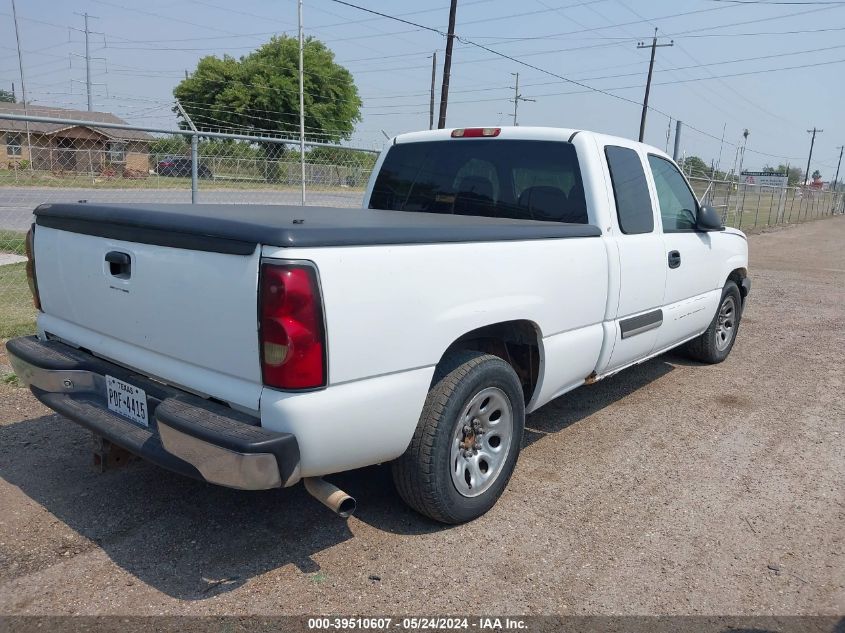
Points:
(391, 313)
(394, 308)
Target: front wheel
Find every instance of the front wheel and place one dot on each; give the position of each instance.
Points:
(467, 440)
(717, 341)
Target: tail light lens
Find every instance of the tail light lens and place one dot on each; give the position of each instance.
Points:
(292, 337)
(29, 245)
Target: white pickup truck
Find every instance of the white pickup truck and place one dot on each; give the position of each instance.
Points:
(492, 270)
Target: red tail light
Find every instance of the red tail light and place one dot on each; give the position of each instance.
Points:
(476, 132)
(293, 351)
(29, 245)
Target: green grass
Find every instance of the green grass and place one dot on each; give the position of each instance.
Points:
(17, 314)
(81, 181)
(12, 242)
(44, 179)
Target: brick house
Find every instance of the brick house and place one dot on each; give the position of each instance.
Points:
(71, 148)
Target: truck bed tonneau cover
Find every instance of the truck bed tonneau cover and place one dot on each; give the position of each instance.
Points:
(238, 228)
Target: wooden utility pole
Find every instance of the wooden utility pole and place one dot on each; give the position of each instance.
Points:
(654, 45)
(814, 131)
(838, 165)
(431, 101)
(447, 66)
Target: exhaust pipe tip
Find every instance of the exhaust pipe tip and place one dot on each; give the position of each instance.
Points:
(330, 496)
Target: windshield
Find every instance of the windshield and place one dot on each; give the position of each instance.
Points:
(501, 178)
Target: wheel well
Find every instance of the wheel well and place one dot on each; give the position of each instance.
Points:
(515, 342)
(736, 276)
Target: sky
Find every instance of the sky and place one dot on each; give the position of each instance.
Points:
(773, 67)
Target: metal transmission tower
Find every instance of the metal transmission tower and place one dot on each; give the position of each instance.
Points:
(517, 98)
(814, 131)
(653, 46)
(88, 32)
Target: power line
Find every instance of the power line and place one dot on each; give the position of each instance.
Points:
(776, 2)
(666, 17)
(730, 90)
(608, 26)
(490, 50)
(169, 18)
(566, 79)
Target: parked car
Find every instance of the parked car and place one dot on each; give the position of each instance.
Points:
(493, 270)
(181, 166)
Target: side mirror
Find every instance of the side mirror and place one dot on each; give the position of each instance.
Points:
(708, 219)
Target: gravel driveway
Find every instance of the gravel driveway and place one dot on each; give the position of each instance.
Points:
(673, 488)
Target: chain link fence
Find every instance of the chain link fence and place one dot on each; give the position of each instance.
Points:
(48, 160)
(45, 159)
(757, 207)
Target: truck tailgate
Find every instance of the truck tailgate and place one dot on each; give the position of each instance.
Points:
(171, 313)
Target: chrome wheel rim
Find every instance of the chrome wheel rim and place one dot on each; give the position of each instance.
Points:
(481, 442)
(726, 324)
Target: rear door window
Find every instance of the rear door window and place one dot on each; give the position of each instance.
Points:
(630, 189)
(500, 178)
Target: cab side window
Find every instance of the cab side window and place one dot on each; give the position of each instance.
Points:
(630, 189)
(677, 203)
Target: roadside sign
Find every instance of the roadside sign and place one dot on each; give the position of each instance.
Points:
(765, 178)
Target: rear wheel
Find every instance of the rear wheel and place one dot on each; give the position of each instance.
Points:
(467, 441)
(717, 341)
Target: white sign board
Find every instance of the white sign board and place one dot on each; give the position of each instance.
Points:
(765, 178)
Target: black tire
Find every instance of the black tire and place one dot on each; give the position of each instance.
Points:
(712, 347)
(422, 475)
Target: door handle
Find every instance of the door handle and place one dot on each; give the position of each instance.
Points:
(116, 257)
(120, 264)
(674, 259)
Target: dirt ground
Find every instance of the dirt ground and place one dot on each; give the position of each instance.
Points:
(673, 488)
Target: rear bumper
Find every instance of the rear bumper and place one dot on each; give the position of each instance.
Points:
(186, 434)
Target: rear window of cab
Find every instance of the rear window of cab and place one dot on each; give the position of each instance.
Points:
(499, 178)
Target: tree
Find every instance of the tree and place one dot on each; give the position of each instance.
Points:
(817, 175)
(173, 145)
(259, 93)
(795, 175)
(6, 96)
(696, 167)
(342, 156)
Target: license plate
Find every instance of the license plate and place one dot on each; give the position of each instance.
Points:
(127, 400)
